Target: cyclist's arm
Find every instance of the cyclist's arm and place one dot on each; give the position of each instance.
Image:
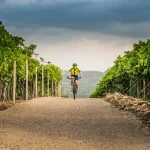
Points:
(68, 74)
(80, 74)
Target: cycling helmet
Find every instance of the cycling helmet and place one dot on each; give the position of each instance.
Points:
(74, 64)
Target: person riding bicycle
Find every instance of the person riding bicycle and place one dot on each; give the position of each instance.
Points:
(74, 71)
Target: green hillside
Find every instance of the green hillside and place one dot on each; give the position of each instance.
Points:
(86, 85)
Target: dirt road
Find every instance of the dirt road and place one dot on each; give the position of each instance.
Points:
(65, 124)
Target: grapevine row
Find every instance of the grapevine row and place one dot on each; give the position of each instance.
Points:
(13, 48)
(129, 75)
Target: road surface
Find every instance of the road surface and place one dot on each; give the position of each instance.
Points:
(67, 124)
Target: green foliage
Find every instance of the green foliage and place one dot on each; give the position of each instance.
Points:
(12, 48)
(127, 68)
(53, 72)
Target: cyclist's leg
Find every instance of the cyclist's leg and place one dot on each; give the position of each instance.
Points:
(72, 81)
(77, 84)
(76, 80)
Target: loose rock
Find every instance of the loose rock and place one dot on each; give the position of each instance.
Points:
(129, 103)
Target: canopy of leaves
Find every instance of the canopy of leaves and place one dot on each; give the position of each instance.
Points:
(129, 67)
(12, 48)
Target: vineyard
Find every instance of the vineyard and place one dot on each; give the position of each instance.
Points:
(130, 74)
(18, 64)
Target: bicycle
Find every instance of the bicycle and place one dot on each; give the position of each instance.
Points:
(74, 86)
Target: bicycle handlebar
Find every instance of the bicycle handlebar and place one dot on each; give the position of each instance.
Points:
(74, 78)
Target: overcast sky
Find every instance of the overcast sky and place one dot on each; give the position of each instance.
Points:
(91, 33)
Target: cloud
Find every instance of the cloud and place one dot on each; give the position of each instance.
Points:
(92, 32)
(119, 17)
(24, 2)
(92, 51)
(2, 1)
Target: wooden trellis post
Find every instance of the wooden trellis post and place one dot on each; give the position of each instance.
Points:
(52, 88)
(59, 89)
(36, 86)
(48, 86)
(14, 83)
(55, 89)
(27, 90)
(42, 80)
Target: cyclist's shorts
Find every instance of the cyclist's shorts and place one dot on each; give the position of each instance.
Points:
(75, 76)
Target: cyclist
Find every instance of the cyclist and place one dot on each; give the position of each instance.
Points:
(74, 71)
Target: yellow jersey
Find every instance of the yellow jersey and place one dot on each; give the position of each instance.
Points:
(74, 71)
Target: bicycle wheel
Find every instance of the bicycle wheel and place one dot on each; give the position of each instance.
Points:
(74, 91)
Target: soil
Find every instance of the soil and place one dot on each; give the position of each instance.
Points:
(7, 104)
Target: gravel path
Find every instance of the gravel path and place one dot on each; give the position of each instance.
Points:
(65, 124)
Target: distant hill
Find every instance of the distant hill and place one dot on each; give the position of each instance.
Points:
(86, 85)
